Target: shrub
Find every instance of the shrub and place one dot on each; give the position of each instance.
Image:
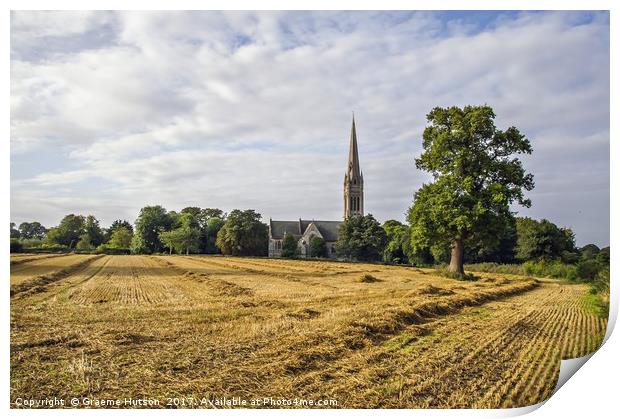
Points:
(31, 243)
(588, 270)
(16, 246)
(318, 248)
(289, 247)
(53, 247)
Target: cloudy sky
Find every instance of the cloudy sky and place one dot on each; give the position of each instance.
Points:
(114, 111)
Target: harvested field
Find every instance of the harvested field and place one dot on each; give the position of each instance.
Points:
(365, 335)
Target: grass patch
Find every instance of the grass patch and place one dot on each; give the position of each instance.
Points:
(596, 304)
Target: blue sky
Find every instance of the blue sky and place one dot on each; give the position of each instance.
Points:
(114, 111)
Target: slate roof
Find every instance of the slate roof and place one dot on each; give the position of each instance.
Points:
(328, 229)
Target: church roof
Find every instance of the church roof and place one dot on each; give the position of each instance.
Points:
(328, 229)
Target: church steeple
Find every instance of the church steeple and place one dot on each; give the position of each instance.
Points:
(353, 179)
(354, 160)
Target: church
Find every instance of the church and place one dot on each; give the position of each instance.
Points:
(305, 230)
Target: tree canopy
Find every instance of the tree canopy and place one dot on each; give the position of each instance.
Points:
(476, 176)
(151, 221)
(542, 240)
(185, 238)
(361, 237)
(243, 234)
(289, 247)
(398, 242)
(33, 230)
(318, 247)
(68, 232)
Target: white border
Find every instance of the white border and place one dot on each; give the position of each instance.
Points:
(591, 394)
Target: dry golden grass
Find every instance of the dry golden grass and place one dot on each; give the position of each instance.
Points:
(365, 335)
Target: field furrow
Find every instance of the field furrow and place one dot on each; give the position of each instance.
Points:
(158, 326)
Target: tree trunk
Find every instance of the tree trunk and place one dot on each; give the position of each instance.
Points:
(187, 250)
(456, 257)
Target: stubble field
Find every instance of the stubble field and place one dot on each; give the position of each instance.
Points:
(362, 334)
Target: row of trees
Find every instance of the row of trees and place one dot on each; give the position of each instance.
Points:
(192, 230)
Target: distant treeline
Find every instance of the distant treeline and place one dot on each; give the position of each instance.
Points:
(535, 244)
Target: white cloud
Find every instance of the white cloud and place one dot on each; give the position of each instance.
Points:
(252, 109)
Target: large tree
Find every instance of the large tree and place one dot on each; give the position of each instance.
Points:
(361, 237)
(243, 234)
(184, 238)
(33, 230)
(543, 239)
(289, 247)
(68, 232)
(15, 234)
(151, 221)
(94, 231)
(476, 176)
(116, 224)
(209, 220)
(121, 238)
(318, 247)
(398, 240)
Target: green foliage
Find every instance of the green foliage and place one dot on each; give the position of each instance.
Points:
(318, 248)
(601, 282)
(243, 234)
(589, 251)
(33, 230)
(542, 240)
(68, 232)
(289, 247)
(603, 257)
(186, 237)
(361, 237)
(398, 242)
(121, 238)
(15, 246)
(14, 232)
(115, 225)
(476, 178)
(94, 231)
(588, 269)
(31, 243)
(209, 237)
(501, 250)
(209, 221)
(106, 249)
(151, 221)
(85, 243)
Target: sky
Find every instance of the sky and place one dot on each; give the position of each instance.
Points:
(112, 111)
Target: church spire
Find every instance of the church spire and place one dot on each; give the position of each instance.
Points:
(353, 179)
(353, 169)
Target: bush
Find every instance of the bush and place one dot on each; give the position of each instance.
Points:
(318, 248)
(16, 246)
(108, 250)
(31, 243)
(53, 247)
(588, 270)
(289, 247)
